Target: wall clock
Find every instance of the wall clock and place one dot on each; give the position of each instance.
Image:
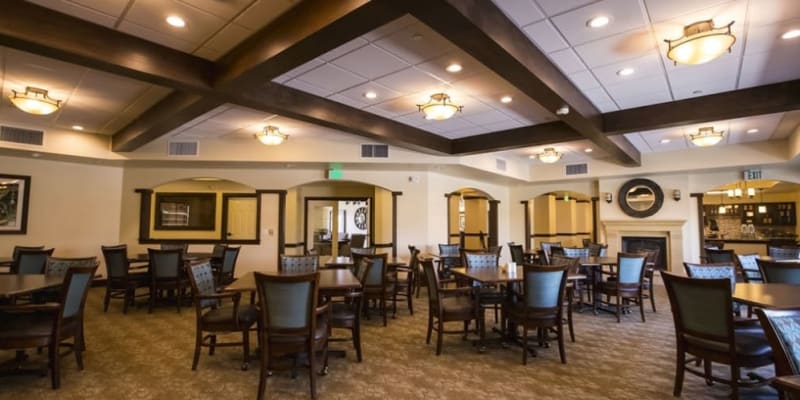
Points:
(360, 218)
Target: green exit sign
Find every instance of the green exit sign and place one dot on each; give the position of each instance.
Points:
(752, 174)
(335, 173)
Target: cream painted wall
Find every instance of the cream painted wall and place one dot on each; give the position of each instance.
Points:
(74, 208)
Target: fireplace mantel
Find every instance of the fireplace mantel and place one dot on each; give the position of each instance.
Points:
(670, 229)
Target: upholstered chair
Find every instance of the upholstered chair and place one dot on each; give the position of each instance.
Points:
(749, 268)
(31, 261)
(166, 273)
(299, 264)
(627, 282)
(782, 328)
(121, 282)
(227, 269)
(448, 305)
(378, 286)
(783, 253)
(779, 272)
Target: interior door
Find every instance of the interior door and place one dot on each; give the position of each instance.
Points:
(241, 218)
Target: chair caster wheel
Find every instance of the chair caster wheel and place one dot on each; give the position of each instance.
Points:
(324, 371)
(245, 366)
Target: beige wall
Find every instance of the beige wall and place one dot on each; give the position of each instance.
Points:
(73, 208)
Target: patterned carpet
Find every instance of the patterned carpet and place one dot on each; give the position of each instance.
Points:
(148, 356)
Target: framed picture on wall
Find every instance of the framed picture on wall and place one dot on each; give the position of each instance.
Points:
(14, 193)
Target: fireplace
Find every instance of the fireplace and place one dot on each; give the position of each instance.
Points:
(671, 231)
(634, 244)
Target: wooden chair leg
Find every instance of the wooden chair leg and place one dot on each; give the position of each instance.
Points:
(707, 372)
(212, 345)
(357, 340)
(430, 327)
(246, 349)
(652, 296)
(680, 364)
(524, 345)
(106, 300)
(641, 305)
(619, 309)
(312, 370)
(198, 342)
(561, 351)
(440, 328)
(264, 368)
(55, 365)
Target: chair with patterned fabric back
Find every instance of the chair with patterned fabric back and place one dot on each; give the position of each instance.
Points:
(542, 305)
(784, 253)
(214, 318)
(749, 268)
(448, 305)
(720, 256)
(491, 296)
(299, 264)
(576, 252)
(782, 328)
(292, 323)
(598, 249)
(704, 328)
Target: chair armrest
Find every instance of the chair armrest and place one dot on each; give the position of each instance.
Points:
(221, 295)
(322, 309)
(30, 308)
(456, 291)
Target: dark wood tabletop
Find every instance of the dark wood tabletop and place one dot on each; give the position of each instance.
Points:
(770, 259)
(597, 261)
(768, 295)
(346, 262)
(333, 279)
(15, 285)
(144, 257)
(499, 275)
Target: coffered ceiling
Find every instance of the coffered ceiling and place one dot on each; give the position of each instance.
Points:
(122, 70)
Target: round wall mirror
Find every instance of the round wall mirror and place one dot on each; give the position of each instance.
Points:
(640, 198)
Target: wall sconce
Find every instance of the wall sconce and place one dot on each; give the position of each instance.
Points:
(676, 194)
(609, 197)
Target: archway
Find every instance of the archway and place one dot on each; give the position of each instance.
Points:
(472, 218)
(333, 216)
(560, 216)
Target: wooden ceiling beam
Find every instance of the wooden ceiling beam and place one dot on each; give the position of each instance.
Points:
(480, 29)
(768, 99)
(31, 28)
(536, 135)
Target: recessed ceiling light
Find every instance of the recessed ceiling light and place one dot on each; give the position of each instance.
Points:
(416, 36)
(626, 71)
(664, 141)
(370, 95)
(506, 99)
(176, 21)
(77, 127)
(588, 150)
(754, 130)
(598, 21)
(794, 33)
(454, 68)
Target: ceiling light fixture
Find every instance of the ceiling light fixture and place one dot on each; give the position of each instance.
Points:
(34, 101)
(794, 33)
(626, 71)
(506, 99)
(588, 150)
(701, 42)
(371, 95)
(706, 136)
(453, 68)
(271, 136)
(754, 130)
(549, 155)
(176, 21)
(77, 127)
(664, 141)
(598, 21)
(439, 107)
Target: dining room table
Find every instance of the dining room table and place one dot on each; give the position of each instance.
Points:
(768, 295)
(13, 285)
(347, 262)
(781, 260)
(331, 281)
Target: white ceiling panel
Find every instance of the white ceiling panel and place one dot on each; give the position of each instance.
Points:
(307, 87)
(765, 68)
(437, 66)
(344, 49)
(390, 28)
(100, 12)
(486, 118)
(228, 38)
(229, 8)
(331, 77)
(584, 80)
(358, 93)
(660, 10)
(370, 62)
(410, 80)
(159, 37)
(299, 70)
(638, 142)
(765, 38)
(457, 123)
(348, 101)
(642, 99)
(415, 43)
(462, 133)
(567, 61)
(261, 12)
(152, 15)
(625, 15)
(398, 106)
(545, 36)
(643, 67)
(553, 7)
(503, 125)
(617, 48)
(521, 12)
(770, 11)
(638, 87)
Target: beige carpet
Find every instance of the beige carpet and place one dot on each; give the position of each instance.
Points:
(141, 356)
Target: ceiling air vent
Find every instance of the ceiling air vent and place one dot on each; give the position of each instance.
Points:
(577, 169)
(374, 151)
(183, 148)
(500, 164)
(19, 135)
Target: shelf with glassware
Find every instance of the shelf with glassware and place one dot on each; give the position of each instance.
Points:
(759, 214)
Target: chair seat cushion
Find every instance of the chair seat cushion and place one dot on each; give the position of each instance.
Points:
(342, 312)
(377, 289)
(517, 312)
(320, 333)
(14, 327)
(750, 342)
(224, 316)
(457, 305)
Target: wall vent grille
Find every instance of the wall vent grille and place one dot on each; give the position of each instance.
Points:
(183, 149)
(23, 136)
(374, 151)
(577, 169)
(500, 164)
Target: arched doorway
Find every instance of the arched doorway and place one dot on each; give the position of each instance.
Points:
(472, 218)
(560, 216)
(333, 216)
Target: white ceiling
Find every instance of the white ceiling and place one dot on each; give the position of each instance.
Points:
(404, 61)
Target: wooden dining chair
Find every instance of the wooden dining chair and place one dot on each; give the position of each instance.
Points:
(31, 261)
(377, 285)
(784, 252)
(702, 311)
(291, 322)
(748, 266)
(121, 282)
(517, 253)
(298, 264)
(51, 325)
(573, 267)
(448, 305)
(626, 285)
(404, 278)
(227, 269)
(213, 317)
(781, 328)
(166, 273)
(779, 272)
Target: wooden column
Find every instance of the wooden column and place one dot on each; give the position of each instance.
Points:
(595, 222)
(394, 222)
(527, 224)
(699, 203)
(146, 197)
(493, 222)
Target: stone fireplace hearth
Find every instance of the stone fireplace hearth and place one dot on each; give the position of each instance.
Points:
(671, 230)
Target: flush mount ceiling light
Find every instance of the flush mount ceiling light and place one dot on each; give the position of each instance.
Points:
(371, 95)
(271, 136)
(549, 155)
(176, 21)
(701, 42)
(598, 21)
(706, 137)
(794, 33)
(626, 71)
(664, 141)
(754, 130)
(506, 99)
(588, 150)
(453, 68)
(34, 101)
(77, 127)
(439, 107)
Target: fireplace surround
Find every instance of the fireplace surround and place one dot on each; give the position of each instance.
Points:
(670, 230)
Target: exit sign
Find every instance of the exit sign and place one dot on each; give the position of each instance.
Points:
(752, 174)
